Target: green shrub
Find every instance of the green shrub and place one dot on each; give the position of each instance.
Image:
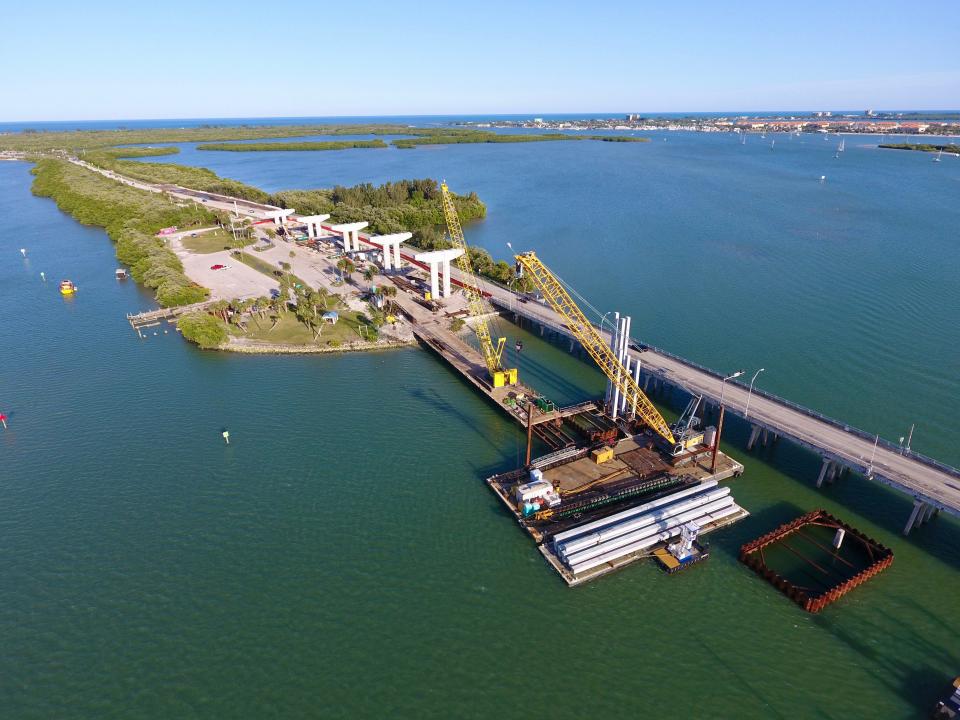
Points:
(203, 329)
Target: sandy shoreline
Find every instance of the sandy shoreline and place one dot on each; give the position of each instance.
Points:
(253, 347)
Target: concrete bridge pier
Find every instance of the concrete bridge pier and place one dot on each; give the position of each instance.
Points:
(825, 469)
(754, 434)
(921, 513)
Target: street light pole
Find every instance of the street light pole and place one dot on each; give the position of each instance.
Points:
(716, 441)
(602, 319)
(746, 410)
(737, 374)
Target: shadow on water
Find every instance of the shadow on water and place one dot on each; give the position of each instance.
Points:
(730, 539)
(919, 685)
(882, 506)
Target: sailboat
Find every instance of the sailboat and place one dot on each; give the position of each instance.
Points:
(939, 155)
(843, 142)
(743, 138)
(772, 143)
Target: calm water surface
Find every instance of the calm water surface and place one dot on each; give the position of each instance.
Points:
(341, 558)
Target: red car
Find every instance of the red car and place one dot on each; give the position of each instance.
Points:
(218, 266)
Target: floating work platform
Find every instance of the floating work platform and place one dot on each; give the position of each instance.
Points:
(671, 565)
(815, 570)
(595, 528)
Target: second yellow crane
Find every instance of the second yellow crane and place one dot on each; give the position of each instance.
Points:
(560, 300)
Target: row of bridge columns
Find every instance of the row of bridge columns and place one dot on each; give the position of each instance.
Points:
(922, 513)
(761, 433)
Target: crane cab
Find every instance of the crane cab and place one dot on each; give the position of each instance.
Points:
(502, 378)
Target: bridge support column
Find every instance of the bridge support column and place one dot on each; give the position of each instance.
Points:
(754, 434)
(833, 473)
(766, 436)
(918, 507)
(827, 463)
(646, 385)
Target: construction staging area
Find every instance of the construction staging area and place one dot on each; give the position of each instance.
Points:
(617, 482)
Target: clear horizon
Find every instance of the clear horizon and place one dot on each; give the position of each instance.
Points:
(531, 114)
(374, 59)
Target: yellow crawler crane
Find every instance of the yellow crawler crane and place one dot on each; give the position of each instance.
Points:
(560, 300)
(492, 353)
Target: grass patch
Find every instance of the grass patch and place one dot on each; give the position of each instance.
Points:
(290, 331)
(213, 241)
(266, 268)
(290, 146)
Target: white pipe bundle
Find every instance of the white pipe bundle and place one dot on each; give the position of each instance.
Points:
(649, 542)
(638, 510)
(570, 547)
(628, 539)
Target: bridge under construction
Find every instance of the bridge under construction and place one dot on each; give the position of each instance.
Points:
(618, 482)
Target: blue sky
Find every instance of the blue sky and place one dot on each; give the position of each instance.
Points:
(105, 60)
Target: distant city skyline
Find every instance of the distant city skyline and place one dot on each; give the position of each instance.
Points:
(111, 61)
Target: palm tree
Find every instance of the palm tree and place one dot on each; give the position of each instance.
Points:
(219, 308)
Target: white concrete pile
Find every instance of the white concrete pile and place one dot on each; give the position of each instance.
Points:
(640, 528)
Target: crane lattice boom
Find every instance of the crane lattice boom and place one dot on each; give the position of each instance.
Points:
(588, 336)
(492, 352)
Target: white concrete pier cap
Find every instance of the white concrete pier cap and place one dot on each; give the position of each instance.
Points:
(435, 259)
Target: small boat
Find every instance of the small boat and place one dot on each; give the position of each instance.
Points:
(121, 274)
(939, 155)
(67, 287)
(772, 143)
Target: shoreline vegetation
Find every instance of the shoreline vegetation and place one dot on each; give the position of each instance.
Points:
(131, 219)
(225, 138)
(293, 146)
(923, 147)
(488, 137)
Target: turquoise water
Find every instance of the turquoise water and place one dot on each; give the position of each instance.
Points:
(341, 558)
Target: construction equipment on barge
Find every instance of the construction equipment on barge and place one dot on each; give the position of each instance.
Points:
(559, 299)
(492, 351)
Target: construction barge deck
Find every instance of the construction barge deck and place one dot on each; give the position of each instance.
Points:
(594, 496)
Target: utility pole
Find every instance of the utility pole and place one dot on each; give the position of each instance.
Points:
(716, 442)
(910, 437)
(529, 431)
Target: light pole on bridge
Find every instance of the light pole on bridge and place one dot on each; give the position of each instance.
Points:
(746, 410)
(716, 441)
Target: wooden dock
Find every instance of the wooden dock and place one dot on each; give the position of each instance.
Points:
(151, 318)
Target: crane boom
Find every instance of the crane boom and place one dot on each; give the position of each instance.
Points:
(587, 334)
(492, 352)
